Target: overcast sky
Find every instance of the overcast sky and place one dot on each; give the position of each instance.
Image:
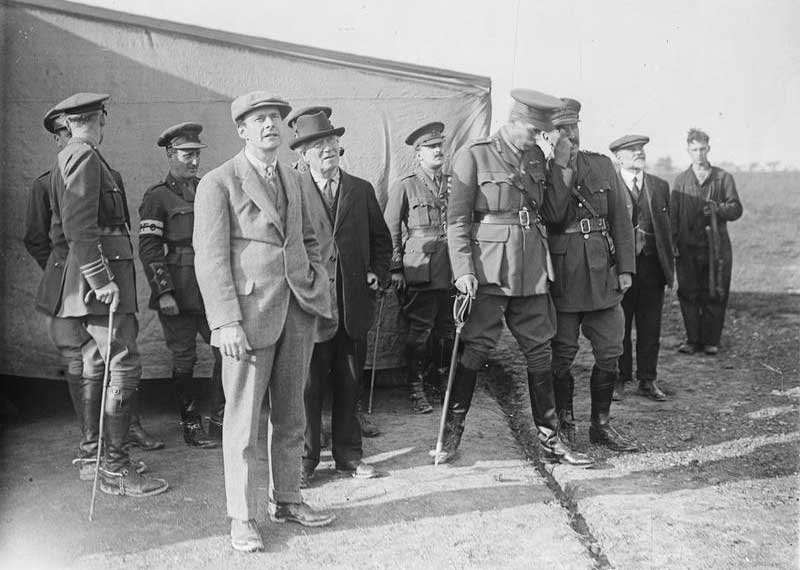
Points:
(656, 68)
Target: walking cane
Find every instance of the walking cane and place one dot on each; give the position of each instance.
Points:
(375, 351)
(461, 308)
(102, 408)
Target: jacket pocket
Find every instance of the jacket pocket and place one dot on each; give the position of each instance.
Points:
(489, 253)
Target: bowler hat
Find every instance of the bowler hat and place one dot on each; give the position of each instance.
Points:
(292, 118)
(314, 127)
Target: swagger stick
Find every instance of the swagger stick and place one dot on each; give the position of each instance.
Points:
(106, 379)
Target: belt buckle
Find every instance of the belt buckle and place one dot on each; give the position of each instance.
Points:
(525, 218)
(585, 225)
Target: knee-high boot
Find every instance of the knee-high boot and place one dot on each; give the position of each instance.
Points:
(417, 364)
(117, 475)
(136, 433)
(600, 431)
(460, 402)
(564, 389)
(543, 407)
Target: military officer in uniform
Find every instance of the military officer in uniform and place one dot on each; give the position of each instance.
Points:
(165, 249)
(90, 216)
(594, 262)
(420, 265)
(84, 362)
(648, 199)
(501, 199)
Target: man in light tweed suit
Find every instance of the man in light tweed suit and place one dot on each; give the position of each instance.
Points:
(258, 266)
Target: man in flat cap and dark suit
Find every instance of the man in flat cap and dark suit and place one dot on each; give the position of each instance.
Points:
(259, 270)
(594, 261)
(356, 245)
(648, 199)
(90, 221)
(700, 193)
(165, 249)
(500, 201)
(416, 214)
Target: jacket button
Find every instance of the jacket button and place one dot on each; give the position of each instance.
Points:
(333, 258)
(585, 236)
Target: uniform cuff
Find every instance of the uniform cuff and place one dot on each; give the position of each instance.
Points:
(160, 278)
(97, 273)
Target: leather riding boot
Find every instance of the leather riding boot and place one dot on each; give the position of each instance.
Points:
(460, 402)
(74, 385)
(191, 425)
(217, 403)
(543, 406)
(417, 363)
(564, 388)
(117, 475)
(137, 436)
(91, 393)
(601, 387)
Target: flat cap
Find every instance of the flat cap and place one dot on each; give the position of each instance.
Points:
(80, 103)
(429, 134)
(292, 118)
(255, 100)
(628, 141)
(568, 112)
(534, 106)
(53, 121)
(183, 136)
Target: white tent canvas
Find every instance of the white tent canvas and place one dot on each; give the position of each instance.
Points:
(160, 73)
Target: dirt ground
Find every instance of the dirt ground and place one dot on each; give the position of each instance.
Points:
(714, 487)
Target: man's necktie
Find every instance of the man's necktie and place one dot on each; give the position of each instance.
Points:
(328, 191)
(635, 189)
(272, 186)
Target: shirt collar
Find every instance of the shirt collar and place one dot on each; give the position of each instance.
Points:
(321, 180)
(260, 166)
(629, 175)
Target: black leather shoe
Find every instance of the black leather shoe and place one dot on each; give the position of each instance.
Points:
(245, 536)
(300, 513)
(611, 438)
(127, 482)
(649, 389)
(689, 348)
(194, 435)
(357, 469)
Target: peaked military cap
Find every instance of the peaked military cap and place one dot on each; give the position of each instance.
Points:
(628, 141)
(255, 100)
(534, 106)
(429, 134)
(183, 136)
(314, 127)
(53, 121)
(81, 103)
(292, 119)
(568, 112)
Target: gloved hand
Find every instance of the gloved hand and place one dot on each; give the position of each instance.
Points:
(467, 284)
(168, 305)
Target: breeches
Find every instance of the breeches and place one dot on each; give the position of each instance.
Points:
(604, 329)
(530, 319)
(180, 334)
(76, 346)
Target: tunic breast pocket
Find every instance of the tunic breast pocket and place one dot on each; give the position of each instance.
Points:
(180, 223)
(492, 184)
(419, 213)
(596, 196)
(112, 207)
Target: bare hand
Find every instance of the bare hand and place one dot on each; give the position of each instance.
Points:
(467, 284)
(233, 341)
(625, 280)
(564, 152)
(168, 305)
(399, 281)
(707, 208)
(108, 294)
(372, 281)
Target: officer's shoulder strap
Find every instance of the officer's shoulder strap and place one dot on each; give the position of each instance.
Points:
(482, 140)
(154, 187)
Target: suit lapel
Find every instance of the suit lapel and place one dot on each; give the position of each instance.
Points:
(255, 188)
(345, 200)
